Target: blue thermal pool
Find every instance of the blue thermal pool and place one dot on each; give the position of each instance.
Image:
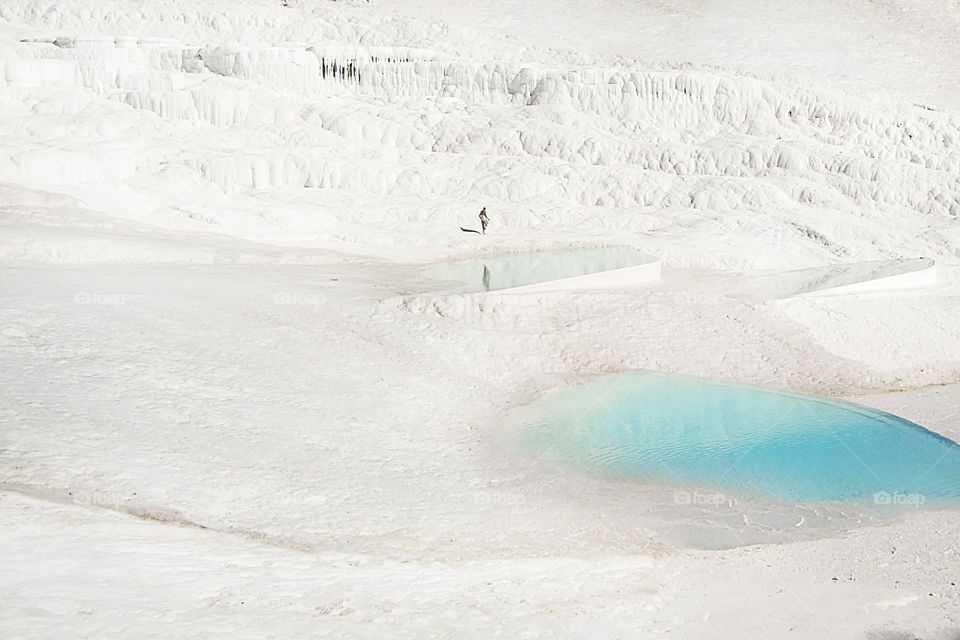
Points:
(750, 440)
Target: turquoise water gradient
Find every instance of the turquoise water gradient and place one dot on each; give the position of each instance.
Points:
(749, 439)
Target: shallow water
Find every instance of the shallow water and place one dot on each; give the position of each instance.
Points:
(801, 281)
(748, 441)
(506, 271)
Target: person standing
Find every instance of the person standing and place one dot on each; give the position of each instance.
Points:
(484, 220)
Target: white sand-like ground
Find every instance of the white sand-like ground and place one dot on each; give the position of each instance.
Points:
(234, 406)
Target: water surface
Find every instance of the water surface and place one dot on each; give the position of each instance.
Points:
(510, 270)
(741, 439)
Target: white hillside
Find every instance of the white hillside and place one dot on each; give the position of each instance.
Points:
(569, 146)
(898, 47)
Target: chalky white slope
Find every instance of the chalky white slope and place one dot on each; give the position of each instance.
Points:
(232, 404)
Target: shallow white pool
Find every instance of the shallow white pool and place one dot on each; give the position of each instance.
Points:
(568, 266)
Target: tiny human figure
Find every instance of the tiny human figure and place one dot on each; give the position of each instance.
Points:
(484, 220)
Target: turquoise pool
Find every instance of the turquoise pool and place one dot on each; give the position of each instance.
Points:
(744, 440)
